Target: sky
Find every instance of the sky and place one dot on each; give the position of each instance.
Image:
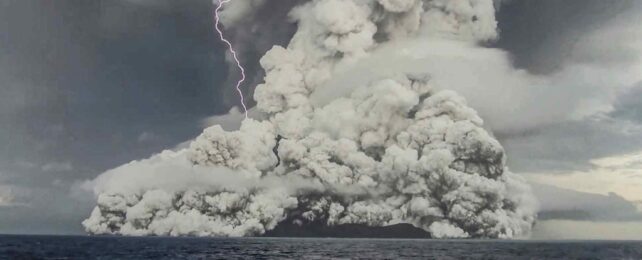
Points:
(86, 86)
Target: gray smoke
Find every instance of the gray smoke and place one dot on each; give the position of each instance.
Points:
(386, 148)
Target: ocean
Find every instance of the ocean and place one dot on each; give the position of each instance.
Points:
(86, 247)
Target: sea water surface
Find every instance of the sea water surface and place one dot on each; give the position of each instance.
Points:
(86, 247)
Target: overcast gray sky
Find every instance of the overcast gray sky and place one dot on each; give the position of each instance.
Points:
(86, 86)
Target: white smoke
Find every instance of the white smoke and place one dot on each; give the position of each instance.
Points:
(326, 146)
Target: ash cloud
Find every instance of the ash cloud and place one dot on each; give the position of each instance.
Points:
(392, 148)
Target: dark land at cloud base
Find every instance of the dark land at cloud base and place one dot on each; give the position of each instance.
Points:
(347, 231)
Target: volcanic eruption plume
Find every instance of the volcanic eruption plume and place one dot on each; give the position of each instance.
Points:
(334, 141)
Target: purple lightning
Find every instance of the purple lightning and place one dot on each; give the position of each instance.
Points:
(231, 49)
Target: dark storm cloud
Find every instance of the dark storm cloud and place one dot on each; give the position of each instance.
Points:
(93, 75)
(81, 82)
(541, 34)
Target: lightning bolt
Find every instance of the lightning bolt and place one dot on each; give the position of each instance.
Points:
(231, 49)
